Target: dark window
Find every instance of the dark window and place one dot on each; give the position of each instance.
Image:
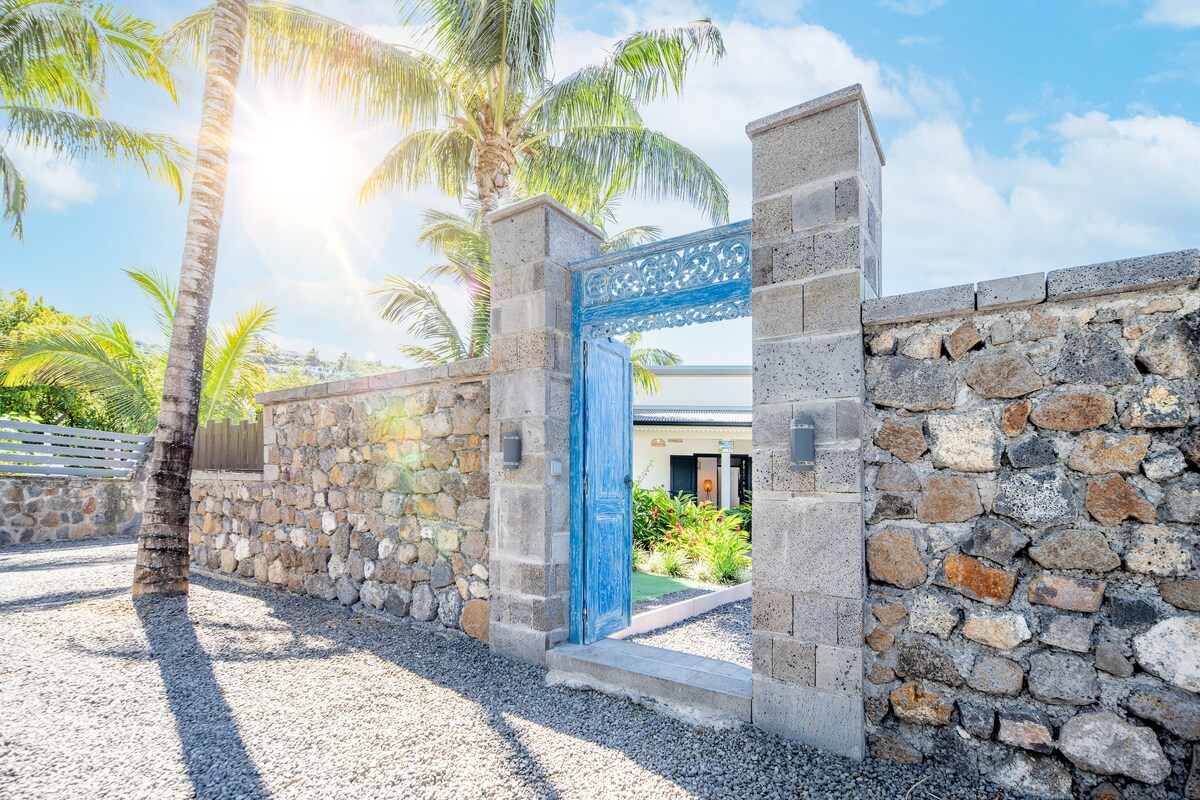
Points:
(683, 475)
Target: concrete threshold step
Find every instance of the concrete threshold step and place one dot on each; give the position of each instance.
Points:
(697, 690)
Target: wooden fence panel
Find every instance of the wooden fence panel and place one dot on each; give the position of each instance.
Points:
(229, 446)
(29, 448)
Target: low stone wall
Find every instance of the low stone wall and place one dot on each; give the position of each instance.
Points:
(373, 492)
(57, 509)
(1033, 502)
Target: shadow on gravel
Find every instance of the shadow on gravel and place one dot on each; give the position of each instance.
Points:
(214, 752)
(45, 602)
(49, 564)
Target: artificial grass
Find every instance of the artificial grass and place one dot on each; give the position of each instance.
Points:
(647, 586)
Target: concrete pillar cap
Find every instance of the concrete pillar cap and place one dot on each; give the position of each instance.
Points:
(832, 100)
(521, 206)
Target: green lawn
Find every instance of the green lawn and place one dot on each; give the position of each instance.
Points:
(647, 586)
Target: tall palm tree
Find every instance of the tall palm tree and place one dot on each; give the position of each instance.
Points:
(100, 357)
(276, 40)
(503, 123)
(463, 240)
(55, 58)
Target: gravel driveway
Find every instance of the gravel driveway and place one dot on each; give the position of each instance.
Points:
(248, 693)
(723, 634)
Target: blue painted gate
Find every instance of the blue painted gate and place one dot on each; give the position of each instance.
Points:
(608, 488)
(701, 277)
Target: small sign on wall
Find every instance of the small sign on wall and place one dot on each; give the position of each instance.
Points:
(725, 447)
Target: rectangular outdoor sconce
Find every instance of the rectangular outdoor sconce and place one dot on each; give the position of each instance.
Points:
(803, 447)
(510, 444)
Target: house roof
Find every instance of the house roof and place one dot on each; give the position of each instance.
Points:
(727, 417)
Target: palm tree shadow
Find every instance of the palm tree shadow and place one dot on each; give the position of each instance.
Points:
(213, 750)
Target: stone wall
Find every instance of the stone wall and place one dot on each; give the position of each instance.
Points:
(374, 492)
(1033, 552)
(56, 509)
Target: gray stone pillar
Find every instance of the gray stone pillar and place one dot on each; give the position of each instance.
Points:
(532, 243)
(816, 182)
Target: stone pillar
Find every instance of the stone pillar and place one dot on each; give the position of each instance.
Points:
(533, 241)
(816, 246)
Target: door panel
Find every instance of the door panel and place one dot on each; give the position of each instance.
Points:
(608, 493)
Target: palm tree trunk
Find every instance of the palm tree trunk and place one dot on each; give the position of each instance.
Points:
(162, 559)
(493, 169)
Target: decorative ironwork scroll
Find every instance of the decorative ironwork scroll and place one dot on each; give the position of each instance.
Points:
(705, 258)
(713, 312)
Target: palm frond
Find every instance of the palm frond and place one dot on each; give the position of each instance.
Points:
(631, 237)
(70, 134)
(158, 290)
(90, 356)
(14, 195)
(416, 304)
(358, 72)
(233, 361)
(657, 166)
(439, 156)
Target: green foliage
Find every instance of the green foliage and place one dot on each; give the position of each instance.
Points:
(722, 550)
(50, 405)
(100, 358)
(745, 510)
(656, 515)
(502, 125)
(678, 532)
(55, 60)
(465, 244)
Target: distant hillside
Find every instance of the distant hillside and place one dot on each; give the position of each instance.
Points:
(288, 368)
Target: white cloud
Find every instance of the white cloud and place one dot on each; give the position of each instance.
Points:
(913, 7)
(1114, 189)
(1178, 13)
(53, 183)
(920, 41)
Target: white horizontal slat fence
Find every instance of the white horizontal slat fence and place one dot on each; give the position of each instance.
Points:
(29, 448)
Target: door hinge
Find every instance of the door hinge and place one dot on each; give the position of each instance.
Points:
(585, 612)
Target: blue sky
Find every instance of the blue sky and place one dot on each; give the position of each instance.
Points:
(1020, 136)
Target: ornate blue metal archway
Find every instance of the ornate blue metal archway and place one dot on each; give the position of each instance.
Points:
(701, 277)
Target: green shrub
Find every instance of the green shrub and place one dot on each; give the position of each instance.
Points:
(724, 552)
(673, 561)
(655, 514)
(745, 511)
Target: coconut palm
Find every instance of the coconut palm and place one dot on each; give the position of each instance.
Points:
(463, 240)
(504, 124)
(101, 358)
(55, 59)
(279, 41)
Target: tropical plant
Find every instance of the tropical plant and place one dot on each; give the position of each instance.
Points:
(280, 41)
(745, 510)
(464, 243)
(656, 514)
(50, 405)
(722, 550)
(501, 123)
(55, 60)
(99, 357)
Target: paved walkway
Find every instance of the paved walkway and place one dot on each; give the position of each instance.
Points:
(248, 693)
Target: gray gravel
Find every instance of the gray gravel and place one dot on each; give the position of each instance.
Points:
(651, 603)
(723, 634)
(247, 693)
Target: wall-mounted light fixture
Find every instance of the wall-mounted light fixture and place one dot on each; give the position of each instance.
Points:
(708, 486)
(658, 442)
(511, 449)
(803, 449)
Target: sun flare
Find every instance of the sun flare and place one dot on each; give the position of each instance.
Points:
(295, 162)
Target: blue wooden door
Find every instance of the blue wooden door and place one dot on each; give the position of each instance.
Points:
(608, 488)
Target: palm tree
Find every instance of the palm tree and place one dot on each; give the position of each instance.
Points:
(465, 244)
(101, 358)
(280, 41)
(55, 58)
(503, 124)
